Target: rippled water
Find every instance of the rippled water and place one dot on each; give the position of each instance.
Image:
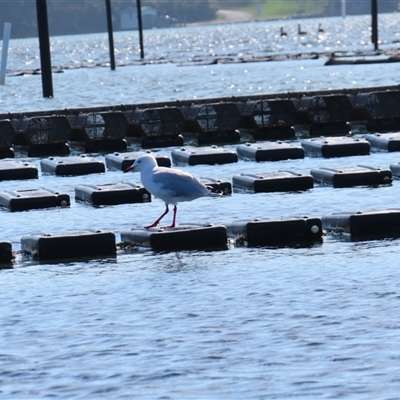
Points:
(182, 45)
(179, 63)
(318, 322)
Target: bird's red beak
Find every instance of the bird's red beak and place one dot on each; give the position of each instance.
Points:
(129, 169)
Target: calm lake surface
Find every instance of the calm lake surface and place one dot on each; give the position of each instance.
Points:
(306, 323)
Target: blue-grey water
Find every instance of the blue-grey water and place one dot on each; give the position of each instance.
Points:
(307, 323)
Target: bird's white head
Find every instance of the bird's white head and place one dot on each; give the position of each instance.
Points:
(143, 163)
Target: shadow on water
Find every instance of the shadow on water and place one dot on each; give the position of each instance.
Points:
(84, 262)
(184, 261)
(6, 266)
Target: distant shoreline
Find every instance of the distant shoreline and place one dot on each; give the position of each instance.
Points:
(227, 17)
(233, 17)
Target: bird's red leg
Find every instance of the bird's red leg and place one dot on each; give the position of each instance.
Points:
(174, 218)
(157, 221)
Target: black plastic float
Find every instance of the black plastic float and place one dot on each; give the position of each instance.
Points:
(212, 122)
(112, 193)
(325, 114)
(7, 139)
(369, 225)
(15, 169)
(352, 61)
(183, 237)
(332, 129)
(45, 135)
(380, 110)
(209, 155)
(156, 127)
(22, 200)
(269, 119)
(99, 131)
(348, 176)
(377, 105)
(73, 165)
(336, 147)
(6, 255)
(275, 181)
(223, 187)
(274, 151)
(385, 141)
(90, 243)
(286, 231)
(121, 161)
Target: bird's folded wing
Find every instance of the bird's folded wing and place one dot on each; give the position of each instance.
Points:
(179, 183)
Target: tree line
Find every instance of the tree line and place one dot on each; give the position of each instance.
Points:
(89, 16)
(69, 17)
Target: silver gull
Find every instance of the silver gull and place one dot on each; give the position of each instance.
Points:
(170, 185)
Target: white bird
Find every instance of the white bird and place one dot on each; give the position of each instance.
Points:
(170, 185)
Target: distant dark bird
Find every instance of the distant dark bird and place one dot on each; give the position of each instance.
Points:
(300, 31)
(283, 33)
(320, 29)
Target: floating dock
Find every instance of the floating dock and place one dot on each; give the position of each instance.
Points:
(259, 128)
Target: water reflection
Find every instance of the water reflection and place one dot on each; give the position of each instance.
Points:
(183, 44)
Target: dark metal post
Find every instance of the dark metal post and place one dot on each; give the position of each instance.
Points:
(374, 14)
(44, 45)
(110, 34)
(140, 26)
